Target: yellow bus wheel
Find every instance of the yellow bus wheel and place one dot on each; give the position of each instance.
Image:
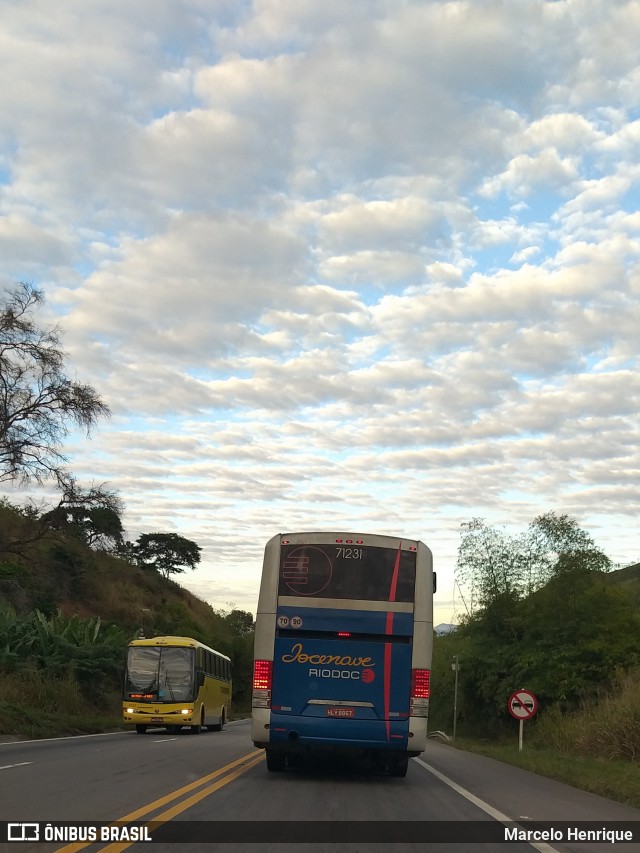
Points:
(217, 727)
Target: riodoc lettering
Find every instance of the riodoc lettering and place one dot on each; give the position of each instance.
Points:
(334, 673)
(299, 656)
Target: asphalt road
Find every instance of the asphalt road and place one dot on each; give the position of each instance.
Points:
(183, 785)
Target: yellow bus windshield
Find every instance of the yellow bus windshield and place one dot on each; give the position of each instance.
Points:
(160, 674)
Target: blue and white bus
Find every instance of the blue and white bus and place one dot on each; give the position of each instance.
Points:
(343, 645)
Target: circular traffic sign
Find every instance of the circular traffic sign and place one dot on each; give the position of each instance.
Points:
(522, 704)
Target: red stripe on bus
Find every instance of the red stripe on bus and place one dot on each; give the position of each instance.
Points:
(396, 572)
(387, 687)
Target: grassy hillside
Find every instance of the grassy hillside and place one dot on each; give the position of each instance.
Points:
(55, 592)
(58, 571)
(627, 579)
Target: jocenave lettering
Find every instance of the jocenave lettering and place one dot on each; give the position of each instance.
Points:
(298, 656)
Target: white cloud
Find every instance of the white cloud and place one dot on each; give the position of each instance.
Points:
(526, 174)
(567, 132)
(367, 264)
(24, 243)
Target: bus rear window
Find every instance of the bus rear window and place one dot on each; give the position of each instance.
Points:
(344, 572)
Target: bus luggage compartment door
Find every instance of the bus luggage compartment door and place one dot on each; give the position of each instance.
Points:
(331, 690)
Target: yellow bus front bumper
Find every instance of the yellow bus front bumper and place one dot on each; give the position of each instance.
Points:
(150, 715)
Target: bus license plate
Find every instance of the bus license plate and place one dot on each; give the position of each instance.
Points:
(157, 720)
(340, 712)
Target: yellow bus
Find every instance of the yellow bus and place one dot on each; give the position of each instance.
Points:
(176, 682)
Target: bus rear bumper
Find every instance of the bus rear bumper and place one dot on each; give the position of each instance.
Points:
(302, 733)
(260, 724)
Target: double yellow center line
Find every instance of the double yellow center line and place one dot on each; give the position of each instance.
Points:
(228, 773)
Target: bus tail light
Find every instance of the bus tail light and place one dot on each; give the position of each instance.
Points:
(262, 676)
(420, 680)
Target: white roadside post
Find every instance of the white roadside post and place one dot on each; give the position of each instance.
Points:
(455, 666)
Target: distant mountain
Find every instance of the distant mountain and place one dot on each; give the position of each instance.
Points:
(445, 628)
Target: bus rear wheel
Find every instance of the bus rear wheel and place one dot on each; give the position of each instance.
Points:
(398, 766)
(275, 760)
(141, 729)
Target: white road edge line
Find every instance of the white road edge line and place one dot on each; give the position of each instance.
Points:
(541, 846)
(22, 764)
(97, 734)
(66, 737)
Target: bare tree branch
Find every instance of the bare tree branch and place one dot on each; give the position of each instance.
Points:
(38, 403)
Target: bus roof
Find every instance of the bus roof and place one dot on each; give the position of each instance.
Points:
(180, 642)
(330, 537)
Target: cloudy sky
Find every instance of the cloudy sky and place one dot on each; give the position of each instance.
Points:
(367, 265)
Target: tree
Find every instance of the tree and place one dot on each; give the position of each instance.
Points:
(168, 553)
(93, 515)
(497, 567)
(242, 626)
(38, 402)
(241, 622)
(564, 548)
(490, 563)
(547, 618)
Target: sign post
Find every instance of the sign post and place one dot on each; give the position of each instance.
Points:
(455, 666)
(522, 706)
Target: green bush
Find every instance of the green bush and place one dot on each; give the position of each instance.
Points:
(606, 726)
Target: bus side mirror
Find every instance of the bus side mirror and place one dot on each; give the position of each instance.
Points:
(200, 678)
(435, 582)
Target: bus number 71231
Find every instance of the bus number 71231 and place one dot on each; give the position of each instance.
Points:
(349, 553)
